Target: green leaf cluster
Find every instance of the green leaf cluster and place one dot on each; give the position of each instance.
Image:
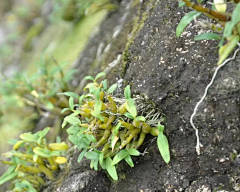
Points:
(38, 90)
(108, 129)
(31, 157)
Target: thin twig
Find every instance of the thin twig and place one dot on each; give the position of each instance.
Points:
(198, 145)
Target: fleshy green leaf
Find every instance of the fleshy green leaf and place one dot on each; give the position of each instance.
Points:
(163, 147)
(160, 127)
(17, 161)
(115, 131)
(181, 4)
(119, 156)
(28, 137)
(70, 94)
(231, 24)
(91, 138)
(140, 118)
(89, 86)
(97, 109)
(9, 174)
(42, 134)
(127, 92)
(133, 152)
(207, 36)
(73, 130)
(72, 120)
(97, 93)
(238, 27)
(73, 139)
(82, 145)
(65, 109)
(99, 116)
(129, 115)
(80, 157)
(228, 29)
(27, 185)
(95, 165)
(111, 169)
(101, 158)
(131, 108)
(129, 160)
(35, 157)
(185, 21)
(55, 153)
(64, 123)
(104, 83)
(71, 103)
(97, 106)
(225, 50)
(236, 14)
(99, 75)
(8, 177)
(77, 112)
(92, 155)
(112, 88)
(42, 152)
(220, 44)
(89, 78)
(101, 161)
(81, 99)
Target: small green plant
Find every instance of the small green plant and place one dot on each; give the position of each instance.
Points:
(32, 161)
(39, 90)
(109, 129)
(228, 27)
(26, 98)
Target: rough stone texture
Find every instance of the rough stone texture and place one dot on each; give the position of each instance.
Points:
(79, 178)
(83, 182)
(173, 73)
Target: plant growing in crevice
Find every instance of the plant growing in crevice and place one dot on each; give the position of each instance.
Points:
(109, 129)
(32, 161)
(228, 27)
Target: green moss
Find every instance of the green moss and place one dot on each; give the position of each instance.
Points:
(138, 23)
(137, 26)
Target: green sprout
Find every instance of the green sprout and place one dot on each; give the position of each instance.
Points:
(108, 129)
(30, 158)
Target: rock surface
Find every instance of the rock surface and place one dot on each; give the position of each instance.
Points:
(172, 73)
